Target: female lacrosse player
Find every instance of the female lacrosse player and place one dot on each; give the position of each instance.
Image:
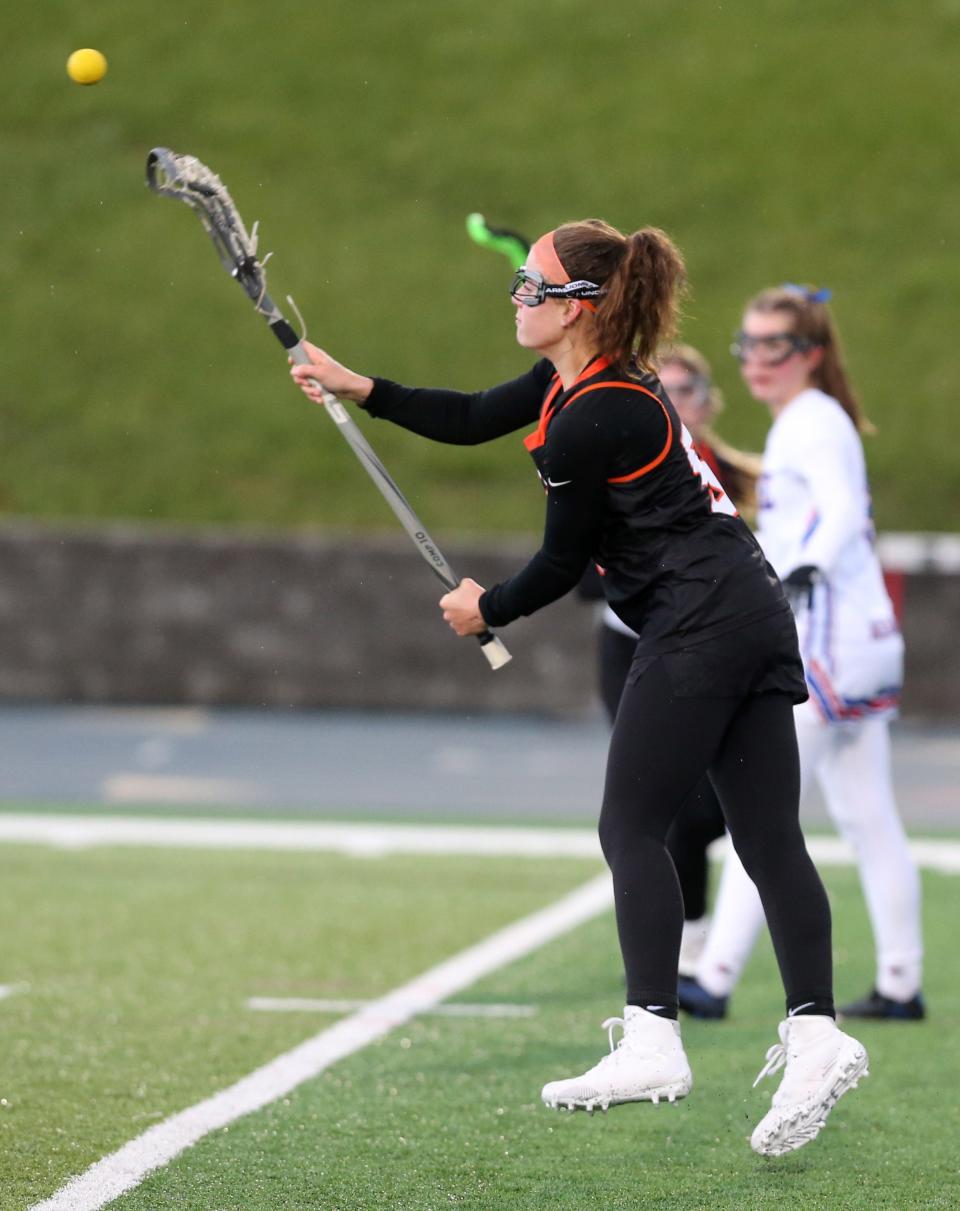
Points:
(686, 377)
(716, 671)
(816, 530)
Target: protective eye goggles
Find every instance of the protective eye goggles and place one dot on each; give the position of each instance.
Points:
(772, 350)
(531, 289)
(689, 388)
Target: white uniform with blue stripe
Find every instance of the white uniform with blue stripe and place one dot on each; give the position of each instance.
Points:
(814, 508)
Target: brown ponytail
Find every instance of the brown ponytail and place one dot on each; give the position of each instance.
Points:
(642, 276)
(813, 320)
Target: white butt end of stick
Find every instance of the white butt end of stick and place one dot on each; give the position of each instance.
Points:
(495, 651)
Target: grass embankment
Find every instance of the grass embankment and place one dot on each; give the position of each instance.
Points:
(774, 141)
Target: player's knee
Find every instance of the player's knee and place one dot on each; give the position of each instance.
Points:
(624, 837)
(760, 853)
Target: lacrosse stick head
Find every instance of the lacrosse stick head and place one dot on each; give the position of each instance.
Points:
(512, 244)
(189, 180)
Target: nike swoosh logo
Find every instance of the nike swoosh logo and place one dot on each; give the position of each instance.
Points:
(805, 1005)
(557, 483)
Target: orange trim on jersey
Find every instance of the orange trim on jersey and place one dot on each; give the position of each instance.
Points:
(534, 440)
(624, 479)
(599, 363)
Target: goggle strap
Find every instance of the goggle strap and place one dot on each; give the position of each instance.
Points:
(580, 289)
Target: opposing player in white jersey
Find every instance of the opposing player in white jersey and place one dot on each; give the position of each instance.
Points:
(815, 529)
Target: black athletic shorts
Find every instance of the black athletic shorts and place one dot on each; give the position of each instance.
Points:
(761, 658)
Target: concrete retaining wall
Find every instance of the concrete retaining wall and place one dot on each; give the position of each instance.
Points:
(135, 614)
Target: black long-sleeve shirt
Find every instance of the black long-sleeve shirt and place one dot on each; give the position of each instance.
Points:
(622, 488)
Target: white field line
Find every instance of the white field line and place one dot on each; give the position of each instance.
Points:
(123, 1170)
(453, 1009)
(375, 840)
(11, 990)
(356, 840)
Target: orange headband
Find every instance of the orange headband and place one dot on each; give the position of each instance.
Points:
(546, 254)
(553, 270)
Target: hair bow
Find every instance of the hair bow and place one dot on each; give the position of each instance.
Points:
(822, 295)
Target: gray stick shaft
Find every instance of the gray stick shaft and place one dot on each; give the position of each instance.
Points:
(383, 479)
(492, 646)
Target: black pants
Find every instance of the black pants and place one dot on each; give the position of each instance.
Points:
(722, 709)
(700, 819)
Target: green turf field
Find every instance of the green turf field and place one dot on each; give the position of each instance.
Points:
(775, 140)
(139, 964)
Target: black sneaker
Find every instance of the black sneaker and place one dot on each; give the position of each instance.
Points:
(695, 1000)
(875, 1005)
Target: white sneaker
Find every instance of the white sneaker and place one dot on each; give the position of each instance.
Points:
(647, 1065)
(692, 943)
(822, 1064)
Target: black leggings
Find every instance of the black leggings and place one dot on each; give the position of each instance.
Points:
(700, 819)
(662, 745)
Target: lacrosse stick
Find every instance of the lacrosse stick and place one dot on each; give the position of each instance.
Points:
(512, 244)
(185, 178)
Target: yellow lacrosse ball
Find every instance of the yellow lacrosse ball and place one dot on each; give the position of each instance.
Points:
(86, 66)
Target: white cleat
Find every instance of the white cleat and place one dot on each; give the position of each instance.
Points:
(822, 1064)
(647, 1065)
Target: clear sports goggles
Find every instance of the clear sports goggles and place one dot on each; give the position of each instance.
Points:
(696, 384)
(531, 288)
(772, 350)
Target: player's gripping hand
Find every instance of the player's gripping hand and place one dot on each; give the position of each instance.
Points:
(330, 374)
(799, 586)
(461, 608)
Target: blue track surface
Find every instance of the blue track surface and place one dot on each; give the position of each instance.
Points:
(403, 766)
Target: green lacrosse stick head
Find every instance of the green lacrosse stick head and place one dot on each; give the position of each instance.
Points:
(512, 244)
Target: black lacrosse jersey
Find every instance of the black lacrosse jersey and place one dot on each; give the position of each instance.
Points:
(624, 488)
